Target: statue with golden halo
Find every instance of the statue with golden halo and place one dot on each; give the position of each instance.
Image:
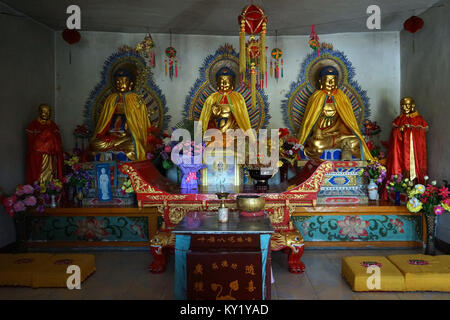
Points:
(123, 122)
(226, 108)
(329, 121)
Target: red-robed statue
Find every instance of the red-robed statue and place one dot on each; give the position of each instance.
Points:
(44, 154)
(407, 144)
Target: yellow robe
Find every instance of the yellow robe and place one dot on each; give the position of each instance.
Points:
(137, 120)
(238, 108)
(344, 108)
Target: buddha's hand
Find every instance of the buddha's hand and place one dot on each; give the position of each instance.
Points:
(318, 135)
(216, 109)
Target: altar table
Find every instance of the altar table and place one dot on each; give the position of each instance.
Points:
(222, 261)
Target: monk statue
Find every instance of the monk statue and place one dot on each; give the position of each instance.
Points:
(329, 121)
(123, 122)
(225, 109)
(44, 150)
(407, 145)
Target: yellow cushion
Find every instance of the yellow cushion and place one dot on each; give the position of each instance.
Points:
(422, 272)
(354, 271)
(42, 269)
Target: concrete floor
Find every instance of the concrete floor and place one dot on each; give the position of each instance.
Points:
(124, 275)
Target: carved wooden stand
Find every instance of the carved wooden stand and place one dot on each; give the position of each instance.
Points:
(154, 190)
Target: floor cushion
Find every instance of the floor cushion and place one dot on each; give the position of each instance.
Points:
(424, 272)
(354, 271)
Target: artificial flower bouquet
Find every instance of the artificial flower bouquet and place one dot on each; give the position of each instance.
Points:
(430, 199)
(375, 171)
(76, 177)
(51, 188)
(159, 147)
(26, 196)
(126, 187)
(398, 187)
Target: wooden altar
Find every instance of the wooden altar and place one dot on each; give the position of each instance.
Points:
(222, 261)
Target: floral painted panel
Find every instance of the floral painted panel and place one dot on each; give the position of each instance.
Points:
(88, 229)
(360, 228)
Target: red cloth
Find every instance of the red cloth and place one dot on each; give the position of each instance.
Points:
(400, 145)
(42, 139)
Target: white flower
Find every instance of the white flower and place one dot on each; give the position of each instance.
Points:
(420, 188)
(433, 182)
(426, 178)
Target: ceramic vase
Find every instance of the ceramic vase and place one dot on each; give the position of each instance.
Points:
(372, 188)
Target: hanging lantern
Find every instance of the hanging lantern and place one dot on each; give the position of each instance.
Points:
(252, 54)
(314, 41)
(145, 48)
(413, 24)
(71, 36)
(171, 63)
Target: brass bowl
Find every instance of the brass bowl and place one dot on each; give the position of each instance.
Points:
(250, 203)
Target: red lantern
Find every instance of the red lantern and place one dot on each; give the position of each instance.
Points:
(71, 36)
(413, 24)
(254, 18)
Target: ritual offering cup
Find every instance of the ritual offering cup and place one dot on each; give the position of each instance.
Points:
(250, 205)
(222, 211)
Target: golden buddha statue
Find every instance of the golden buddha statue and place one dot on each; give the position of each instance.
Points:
(225, 109)
(123, 122)
(329, 121)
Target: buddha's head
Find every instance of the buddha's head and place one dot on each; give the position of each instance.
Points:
(328, 79)
(123, 81)
(408, 105)
(225, 80)
(45, 112)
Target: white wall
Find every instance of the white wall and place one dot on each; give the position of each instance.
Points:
(27, 80)
(426, 77)
(375, 56)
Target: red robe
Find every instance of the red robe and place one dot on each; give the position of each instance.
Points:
(43, 139)
(404, 157)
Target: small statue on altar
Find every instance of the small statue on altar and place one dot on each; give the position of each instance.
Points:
(123, 122)
(225, 109)
(407, 153)
(329, 121)
(44, 154)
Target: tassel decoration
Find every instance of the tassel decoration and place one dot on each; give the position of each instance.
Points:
(242, 49)
(253, 84)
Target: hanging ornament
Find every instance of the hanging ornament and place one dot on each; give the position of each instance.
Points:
(171, 62)
(413, 25)
(145, 48)
(71, 36)
(276, 54)
(252, 54)
(314, 41)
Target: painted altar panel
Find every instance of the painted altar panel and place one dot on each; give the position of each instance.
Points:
(59, 229)
(359, 227)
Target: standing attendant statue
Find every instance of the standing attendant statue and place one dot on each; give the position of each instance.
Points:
(407, 145)
(44, 148)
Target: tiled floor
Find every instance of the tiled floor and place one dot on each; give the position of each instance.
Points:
(124, 275)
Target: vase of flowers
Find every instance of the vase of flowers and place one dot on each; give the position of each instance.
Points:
(51, 192)
(398, 185)
(376, 173)
(432, 201)
(25, 197)
(159, 149)
(77, 180)
(290, 151)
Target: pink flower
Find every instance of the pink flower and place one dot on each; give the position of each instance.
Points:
(438, 210)
(353, 227)
(28, 189)
(167, 149)
(19, 206)
(19, 191)
(30, 201)
(10, 211)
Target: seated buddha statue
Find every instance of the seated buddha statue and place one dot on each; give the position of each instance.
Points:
(225, 109)
(123, 122)
(329, 121)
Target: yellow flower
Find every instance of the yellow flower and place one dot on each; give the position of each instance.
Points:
(414, 205)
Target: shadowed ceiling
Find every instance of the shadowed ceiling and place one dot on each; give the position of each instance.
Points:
(288, 17)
